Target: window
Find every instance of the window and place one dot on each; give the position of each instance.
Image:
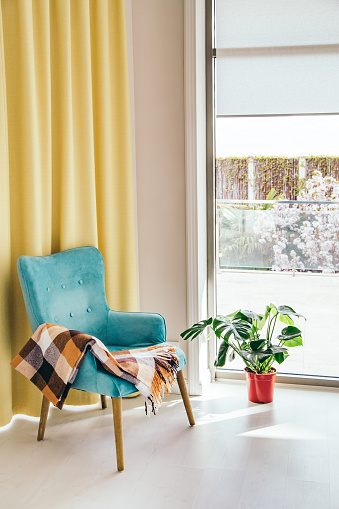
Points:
(276, 203)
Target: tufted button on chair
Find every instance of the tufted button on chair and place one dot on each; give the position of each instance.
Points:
(68, 288)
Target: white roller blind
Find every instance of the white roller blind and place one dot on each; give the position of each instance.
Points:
(277, 56)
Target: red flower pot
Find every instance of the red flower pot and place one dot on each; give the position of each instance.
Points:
(260, 387)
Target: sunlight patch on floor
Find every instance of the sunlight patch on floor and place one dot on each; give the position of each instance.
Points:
(18, 417)
(284, 431)
(243, 412)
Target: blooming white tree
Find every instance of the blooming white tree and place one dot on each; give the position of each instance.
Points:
(304, 235)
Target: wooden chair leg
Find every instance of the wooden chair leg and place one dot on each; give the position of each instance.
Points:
(43, 418)
(103, 402)
(185, 397)
(117, 418)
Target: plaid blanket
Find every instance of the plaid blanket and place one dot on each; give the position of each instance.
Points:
(52, 356)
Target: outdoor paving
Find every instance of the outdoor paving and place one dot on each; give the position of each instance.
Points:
(315, 296)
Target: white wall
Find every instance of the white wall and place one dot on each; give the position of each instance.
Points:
(158, 55)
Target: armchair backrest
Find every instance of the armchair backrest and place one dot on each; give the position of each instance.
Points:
(66, 288)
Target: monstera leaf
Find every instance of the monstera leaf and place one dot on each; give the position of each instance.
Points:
(239, 332)
(290, 336)
(287, 310)
(239, 328)
(196, 329)
(222, 354)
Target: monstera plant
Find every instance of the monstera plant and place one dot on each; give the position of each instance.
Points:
(251, 336)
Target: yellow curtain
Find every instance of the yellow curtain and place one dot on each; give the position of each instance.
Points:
(65, 155)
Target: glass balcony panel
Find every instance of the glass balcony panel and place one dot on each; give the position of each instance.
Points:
(286, 253)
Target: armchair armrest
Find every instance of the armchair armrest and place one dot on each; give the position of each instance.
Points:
(135, 329)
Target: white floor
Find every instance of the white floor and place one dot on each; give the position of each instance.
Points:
(238, 456)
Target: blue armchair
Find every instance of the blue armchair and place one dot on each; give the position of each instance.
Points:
(68, 288)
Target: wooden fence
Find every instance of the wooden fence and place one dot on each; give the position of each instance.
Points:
(254, 177)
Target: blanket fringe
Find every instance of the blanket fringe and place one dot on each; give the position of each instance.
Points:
(166, 365)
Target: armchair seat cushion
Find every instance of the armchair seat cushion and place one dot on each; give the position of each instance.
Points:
(92, 377)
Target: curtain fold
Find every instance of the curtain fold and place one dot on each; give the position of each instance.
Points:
(66, 171)
(5, 251)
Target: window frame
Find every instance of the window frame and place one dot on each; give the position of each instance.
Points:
(222, 374)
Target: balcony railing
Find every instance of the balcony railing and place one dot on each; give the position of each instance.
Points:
(279, 235)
